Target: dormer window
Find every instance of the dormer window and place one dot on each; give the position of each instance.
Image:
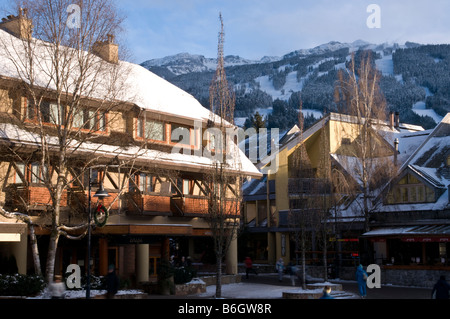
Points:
(180, 134)
(90, 119)
(150, 129)
(50, 113)
(410, 190)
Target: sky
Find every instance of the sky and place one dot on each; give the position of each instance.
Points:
(258, 28)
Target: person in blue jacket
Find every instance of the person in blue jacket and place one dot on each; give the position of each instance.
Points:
(326, 293)
(361, 277)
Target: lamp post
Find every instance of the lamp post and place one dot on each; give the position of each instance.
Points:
(100, 193)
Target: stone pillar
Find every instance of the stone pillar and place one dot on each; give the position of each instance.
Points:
(19, 250)
(142, 263)
(231, 258)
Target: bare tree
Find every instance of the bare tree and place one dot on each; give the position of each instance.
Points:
(301, 187)
(69, 92)
(225, 195)
(366, 157)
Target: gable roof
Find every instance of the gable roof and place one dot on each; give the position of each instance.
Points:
(428, 163)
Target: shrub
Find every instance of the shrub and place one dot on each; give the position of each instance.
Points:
(21, 285)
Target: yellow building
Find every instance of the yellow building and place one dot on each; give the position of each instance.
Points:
(312, 168)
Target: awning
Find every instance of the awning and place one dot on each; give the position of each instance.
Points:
(422, 233)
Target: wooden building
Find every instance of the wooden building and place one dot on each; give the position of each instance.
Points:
(148, 145)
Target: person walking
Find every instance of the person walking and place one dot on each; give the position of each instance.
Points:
(293, 270)
(57, 288)
(249, 267)
(112, 282)
(280, 269)
(326, 293)
(441, 288)
(361, 277)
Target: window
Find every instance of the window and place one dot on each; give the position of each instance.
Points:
(150, 129)
(21, 168)
(38, 173)
(183, 185)
(448, 160)
(145, 182)
(142, 181)
(89, 119)
(410, 190)
(50, 113)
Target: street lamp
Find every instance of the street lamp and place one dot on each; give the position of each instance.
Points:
(100, 193)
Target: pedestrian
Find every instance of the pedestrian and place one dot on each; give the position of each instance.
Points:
(361, 277)
(326, 293)
(440, 289)
(112, 282)
(57, 288)
(280, 269)
(188, 261)
(249, 267)
(292, 272)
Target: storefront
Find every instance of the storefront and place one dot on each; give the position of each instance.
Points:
(411, 245)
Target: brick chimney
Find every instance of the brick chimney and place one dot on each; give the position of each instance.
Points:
(397, 120)
(20, 26)
(391, 120)
(107, 50)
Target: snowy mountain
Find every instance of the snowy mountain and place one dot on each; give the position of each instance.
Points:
(414, 81)
(184, 63)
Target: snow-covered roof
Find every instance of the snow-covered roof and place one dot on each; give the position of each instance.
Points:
(428, 162)
(409, 231)
(135, 84)
(238, 164)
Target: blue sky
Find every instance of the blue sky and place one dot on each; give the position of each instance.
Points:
(257, 28)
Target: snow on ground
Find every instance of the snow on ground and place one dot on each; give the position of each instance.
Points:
(420, 109)
(385, 65)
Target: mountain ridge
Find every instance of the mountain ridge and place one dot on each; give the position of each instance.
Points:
(414, 78)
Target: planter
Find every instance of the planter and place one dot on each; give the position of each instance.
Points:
(166, 286)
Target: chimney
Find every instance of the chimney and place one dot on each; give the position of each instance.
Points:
(397, 120)
(107, 50)
(20, 26)
(391, 120)
(395, 151)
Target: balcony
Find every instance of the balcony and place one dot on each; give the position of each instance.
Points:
(36, 197)
(175, 205)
